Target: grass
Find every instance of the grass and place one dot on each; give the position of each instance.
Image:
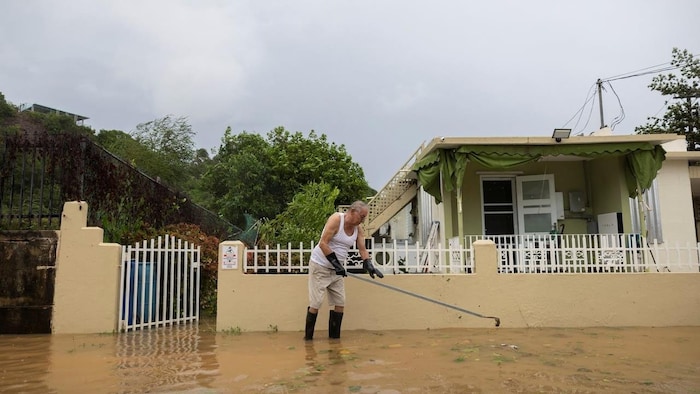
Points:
(233, 331)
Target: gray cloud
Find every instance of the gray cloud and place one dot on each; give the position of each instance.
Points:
(379, 77)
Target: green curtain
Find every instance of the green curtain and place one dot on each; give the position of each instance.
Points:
(641, 169)
(643, 162)
(442, 163)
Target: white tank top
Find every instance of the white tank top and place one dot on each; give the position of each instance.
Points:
(339, 244)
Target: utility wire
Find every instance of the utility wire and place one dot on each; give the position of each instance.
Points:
(618, 119)
(589, 96)
(659, 68)
(647, 70)
(656, 71)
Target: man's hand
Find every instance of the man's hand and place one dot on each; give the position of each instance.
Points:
(367, 265)
(339, 269)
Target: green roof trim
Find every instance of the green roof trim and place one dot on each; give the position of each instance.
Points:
(643, 161)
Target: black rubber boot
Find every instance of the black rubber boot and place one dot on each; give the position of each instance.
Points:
(334, 321)
(310, 324)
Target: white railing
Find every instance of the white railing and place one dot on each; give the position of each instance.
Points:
(556, 253)
(589, 253)
(390, 258)
(159, 283)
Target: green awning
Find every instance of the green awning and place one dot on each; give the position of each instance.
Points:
(643, 161)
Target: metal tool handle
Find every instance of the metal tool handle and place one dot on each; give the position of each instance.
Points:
(424, 298)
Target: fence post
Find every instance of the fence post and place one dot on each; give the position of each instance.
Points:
(485, 258)
(86, 294)
(231, 264)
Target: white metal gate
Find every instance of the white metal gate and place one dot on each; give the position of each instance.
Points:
(159, 283)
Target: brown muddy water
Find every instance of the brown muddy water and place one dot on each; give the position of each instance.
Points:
(195, 359)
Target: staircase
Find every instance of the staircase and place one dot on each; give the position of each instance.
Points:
(398, 192)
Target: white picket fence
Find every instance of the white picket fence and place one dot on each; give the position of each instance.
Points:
(590, 253)
(518, 254)
(396, 258)
(159, 283)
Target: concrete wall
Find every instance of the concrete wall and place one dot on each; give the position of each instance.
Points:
(86, 297)
(676, 202)
(254, 302)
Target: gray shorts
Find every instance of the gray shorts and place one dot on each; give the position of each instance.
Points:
(322, 279)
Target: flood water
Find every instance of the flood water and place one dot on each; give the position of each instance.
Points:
(195, 359)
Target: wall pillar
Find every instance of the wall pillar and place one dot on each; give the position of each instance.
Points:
(86, 295)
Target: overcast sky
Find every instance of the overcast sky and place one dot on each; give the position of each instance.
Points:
(378, 76)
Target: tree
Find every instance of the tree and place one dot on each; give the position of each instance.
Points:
(7, 110)
(240, 178)
(258, 176)
(172, 139)
(314, 159)
(683, 113)
(162, 148)
(150, 162)
(304, 217)
(169, 136)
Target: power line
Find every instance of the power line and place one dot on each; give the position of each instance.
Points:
(646, 70)
(618, 119)
(578, 113)
(656, 71)
(658, 68)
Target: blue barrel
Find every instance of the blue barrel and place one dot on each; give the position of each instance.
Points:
(141, 283)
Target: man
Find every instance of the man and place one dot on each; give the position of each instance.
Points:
(326, 268)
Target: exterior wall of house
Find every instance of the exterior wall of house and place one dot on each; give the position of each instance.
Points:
(609, 190)
(676, 196)
(569, 176)
(86, 297)
(676, 202)
(401, 226)
(255, 302)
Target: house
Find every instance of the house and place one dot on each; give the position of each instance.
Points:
(532, 195)
(48, 110)
(587, 231)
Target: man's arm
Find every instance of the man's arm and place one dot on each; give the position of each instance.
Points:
(329, 230)
(366, 261)
(364, 254)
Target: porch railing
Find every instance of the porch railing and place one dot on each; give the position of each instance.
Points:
(518, 254)
(590, 253)
(390, 258)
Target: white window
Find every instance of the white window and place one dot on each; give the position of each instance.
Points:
(537, 208)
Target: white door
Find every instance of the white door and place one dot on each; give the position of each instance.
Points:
(536, 204)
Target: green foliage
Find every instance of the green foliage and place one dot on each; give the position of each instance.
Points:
(258, 176)
(240, 178)
(209, 260)
(162, 148)
(683, 113)
(301, 160)
(7, 110)
(232, 331)
(124, 146)
(304, 217)
(169, 136)
(122, 222)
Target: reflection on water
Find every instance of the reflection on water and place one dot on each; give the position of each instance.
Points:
(172, 358)
(189, 359)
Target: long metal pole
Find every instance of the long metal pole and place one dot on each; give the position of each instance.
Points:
(424, 298)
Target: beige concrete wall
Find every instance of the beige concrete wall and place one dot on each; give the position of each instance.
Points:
(676, 200)
(254, 302)
(86, 295)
